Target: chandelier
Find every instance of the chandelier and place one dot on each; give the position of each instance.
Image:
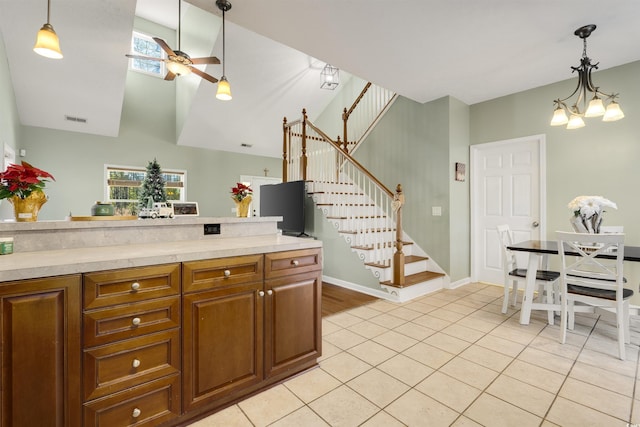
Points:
(572, 117)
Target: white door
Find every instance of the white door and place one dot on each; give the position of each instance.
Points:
(255, 182)
(508, 187)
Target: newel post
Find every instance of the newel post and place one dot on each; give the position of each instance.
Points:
(284, 150)
(304, 144)
(398, 256)
(345, 118)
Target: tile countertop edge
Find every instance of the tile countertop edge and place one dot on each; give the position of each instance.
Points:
(31, 265)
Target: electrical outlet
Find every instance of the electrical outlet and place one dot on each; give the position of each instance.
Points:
(211, 229)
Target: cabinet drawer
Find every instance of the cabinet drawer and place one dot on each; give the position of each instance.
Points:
(127, 321)
(148, 405)
(125, 364)
(218, 273)
(102, 289)
(280, 264)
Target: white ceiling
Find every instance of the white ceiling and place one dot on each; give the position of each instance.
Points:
(423, 49)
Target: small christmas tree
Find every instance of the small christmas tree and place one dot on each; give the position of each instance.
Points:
(153, 185)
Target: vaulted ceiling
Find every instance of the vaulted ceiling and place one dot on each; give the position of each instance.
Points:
(422, 49)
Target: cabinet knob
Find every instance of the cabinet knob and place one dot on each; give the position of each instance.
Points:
(136, 413)
(227, 273)
(136, 363)
(135, 321)
(261, 293)
(135, 286)
(269, 292)
(295, 262)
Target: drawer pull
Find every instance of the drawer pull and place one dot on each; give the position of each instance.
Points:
(261, 293)
(269, 292)
(136, 363)
(136, 413)
(227, 273)
(295, 262)
(135, 321)
(135, 286)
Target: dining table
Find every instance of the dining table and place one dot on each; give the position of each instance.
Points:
(538, 249)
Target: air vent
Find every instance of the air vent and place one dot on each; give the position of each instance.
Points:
(75, 119)
(246, 145)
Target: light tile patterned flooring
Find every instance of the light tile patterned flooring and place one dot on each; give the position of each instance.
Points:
(451, 358)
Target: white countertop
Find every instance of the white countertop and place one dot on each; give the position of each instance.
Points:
(28, 265)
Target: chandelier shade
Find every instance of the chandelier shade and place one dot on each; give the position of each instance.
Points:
(47, 41)
(329, 77)
(601, 104)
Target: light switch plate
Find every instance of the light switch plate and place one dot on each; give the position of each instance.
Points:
(436, 210)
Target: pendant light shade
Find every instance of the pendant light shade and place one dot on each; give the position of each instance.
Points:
(224, 88)
(47, 42)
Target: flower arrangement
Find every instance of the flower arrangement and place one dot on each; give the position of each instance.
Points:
(22, 180)
(240, 192)
(587, 213)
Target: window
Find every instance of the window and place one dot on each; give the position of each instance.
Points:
(143, 44)
(123, 185)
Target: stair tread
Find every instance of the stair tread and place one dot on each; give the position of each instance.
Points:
(414, 279)
(377, 230)
(385, 244)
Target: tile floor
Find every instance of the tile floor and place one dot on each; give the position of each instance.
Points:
(451, 358)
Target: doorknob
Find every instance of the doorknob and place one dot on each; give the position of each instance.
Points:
(535, 224)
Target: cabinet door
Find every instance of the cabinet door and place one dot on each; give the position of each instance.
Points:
(293, 336)
(222, 343)
(41, 352)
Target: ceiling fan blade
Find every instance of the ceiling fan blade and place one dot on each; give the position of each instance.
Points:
(144, 58)
(164, 45)
(170, 76)
(204, 75)
(207, 60)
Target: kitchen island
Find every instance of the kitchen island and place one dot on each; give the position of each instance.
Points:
(154, 322)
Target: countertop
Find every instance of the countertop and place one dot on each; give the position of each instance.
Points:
(29, 265)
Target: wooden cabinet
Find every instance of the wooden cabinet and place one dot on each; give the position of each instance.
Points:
(40, 352)
(270, 328)
(132, 351)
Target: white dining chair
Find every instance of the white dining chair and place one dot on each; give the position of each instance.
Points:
(546, 280)
(592, 281)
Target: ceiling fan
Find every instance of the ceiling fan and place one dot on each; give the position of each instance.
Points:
(178, 62)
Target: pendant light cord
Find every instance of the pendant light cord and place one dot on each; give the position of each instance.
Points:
(224, 62)
(48, 10)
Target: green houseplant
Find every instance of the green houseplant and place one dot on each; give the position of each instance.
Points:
(23, 186)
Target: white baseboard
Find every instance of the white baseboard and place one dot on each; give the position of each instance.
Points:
(394, 294)
(459, 283)
(378, 293)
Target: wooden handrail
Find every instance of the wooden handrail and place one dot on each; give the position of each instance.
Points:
(347, 113)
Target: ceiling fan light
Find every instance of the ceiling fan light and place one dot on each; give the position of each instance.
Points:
(178, 68)
(613, 112)
(596, 108)
(47, 43)
(575, 122)
(224, 89)
(559, 117)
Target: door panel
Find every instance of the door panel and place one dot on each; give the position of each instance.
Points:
(508, 188)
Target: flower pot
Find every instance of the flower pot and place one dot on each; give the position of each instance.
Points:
(242, 207)
(26, 210)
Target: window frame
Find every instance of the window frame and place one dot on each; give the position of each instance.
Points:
(163, 55)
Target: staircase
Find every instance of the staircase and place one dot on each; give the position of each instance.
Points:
(363, 211)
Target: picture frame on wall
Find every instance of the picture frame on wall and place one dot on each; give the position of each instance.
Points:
(460, 171)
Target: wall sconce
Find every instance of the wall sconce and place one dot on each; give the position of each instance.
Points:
(329, 77)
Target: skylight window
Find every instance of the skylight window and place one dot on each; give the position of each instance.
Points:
(142, 44)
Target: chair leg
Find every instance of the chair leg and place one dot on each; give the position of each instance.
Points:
(515, 292)
(563, 320)
(621, 329)
(505, 300)
(572, 315)
(549, 291)
(627, 327)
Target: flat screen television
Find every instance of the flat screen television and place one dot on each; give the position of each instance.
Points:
(286, 200)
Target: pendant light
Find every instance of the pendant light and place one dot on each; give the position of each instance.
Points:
(47, 42)
(572, 116)
(224, 89)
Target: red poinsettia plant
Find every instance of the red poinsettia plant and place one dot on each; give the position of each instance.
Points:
(240, 191)
(22, 180)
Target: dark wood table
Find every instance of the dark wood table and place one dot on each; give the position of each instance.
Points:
(539, 248)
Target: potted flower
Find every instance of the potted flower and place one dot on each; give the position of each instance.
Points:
(587, 213)
(241, 194)
(22, 185)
